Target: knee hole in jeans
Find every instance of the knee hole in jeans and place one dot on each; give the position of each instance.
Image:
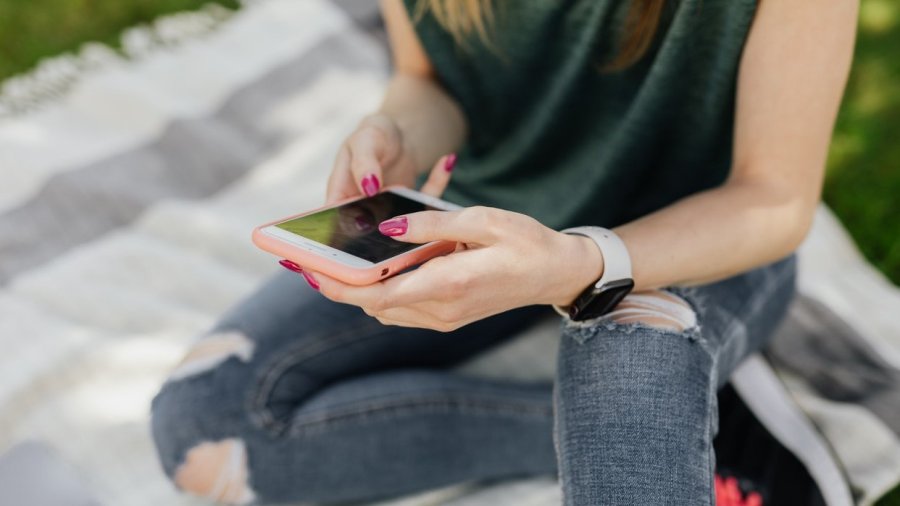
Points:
(217, 471)
(211, 351)
(655, 308)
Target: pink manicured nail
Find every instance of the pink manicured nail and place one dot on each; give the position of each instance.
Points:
(450, 162)
(311, 280)
(291, 266)
(394, 226)
(370, 185)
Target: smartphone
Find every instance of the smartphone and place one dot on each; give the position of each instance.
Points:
(343, 241)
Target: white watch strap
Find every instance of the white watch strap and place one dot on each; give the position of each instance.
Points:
(616, 260)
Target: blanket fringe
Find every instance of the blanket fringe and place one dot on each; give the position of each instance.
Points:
(54, 76)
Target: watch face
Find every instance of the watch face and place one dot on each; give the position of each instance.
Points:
(596, 302)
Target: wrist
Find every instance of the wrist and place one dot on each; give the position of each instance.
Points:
(582, 266)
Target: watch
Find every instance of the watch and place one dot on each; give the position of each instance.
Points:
(615, 283)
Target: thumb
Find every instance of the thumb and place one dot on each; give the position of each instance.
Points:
(439, 176)
(340, 182)
(466, 226)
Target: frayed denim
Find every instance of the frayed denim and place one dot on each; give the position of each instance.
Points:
(291, 397)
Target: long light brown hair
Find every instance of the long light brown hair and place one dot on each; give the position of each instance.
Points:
(464, 18)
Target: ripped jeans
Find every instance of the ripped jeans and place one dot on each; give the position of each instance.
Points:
(292, 398)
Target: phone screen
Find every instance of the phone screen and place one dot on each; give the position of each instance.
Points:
(353, 227)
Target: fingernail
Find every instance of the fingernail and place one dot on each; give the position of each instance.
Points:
(370, 185)
(311, 280)
(291, 266)
(450, 162)
(394, 226)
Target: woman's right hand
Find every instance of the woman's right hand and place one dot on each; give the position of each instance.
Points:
(373, 156)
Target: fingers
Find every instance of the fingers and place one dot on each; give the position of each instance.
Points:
(419, 318)
(375, 145)
(358, 167)
(413, 299)
(401, 300)
(439, 176)
(401, 290)
(365, 149)
(471, 225)
(340, 182)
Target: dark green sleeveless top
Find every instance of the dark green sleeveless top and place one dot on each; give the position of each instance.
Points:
(553, 136)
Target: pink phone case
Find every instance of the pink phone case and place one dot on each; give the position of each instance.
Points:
(347, 274)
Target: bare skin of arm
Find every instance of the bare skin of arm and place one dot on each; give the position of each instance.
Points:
(791, 78)
(416, 124)
(431, 121)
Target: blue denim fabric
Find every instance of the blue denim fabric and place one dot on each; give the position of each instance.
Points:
(332, 406)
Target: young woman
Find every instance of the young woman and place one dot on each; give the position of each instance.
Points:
(696, 130)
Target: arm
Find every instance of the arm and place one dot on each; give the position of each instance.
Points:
(416, 123)
(791, 78)
(790, 82)
(430, 120)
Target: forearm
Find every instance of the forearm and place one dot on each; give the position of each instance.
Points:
(430, 121)
(716, 234)
(790, 81)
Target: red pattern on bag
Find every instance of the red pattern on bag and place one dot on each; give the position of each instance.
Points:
(728, 493)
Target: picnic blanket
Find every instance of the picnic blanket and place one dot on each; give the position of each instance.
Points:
(128, 189)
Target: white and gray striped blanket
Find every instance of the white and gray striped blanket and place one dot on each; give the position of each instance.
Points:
(126, 203)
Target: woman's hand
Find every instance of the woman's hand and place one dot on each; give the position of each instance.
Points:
(504, 260)
(372, 156)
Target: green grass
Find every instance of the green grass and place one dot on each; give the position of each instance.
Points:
(33, 29)
(863, 180)
(891, 499)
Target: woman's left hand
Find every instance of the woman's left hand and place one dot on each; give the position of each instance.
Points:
(503, 260)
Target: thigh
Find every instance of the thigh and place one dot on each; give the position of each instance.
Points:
(288, 379)
(738, 315)
(728, 319)
(285, 341)
(636, 392)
